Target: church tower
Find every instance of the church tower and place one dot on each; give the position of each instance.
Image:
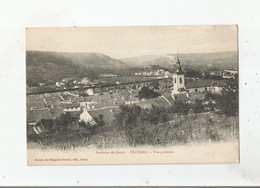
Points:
(178, 78)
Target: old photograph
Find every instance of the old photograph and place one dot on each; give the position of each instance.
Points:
(132, 95)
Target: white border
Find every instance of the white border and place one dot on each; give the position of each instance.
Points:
(16, 15)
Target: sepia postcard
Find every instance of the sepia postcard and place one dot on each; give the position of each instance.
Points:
(132, 95)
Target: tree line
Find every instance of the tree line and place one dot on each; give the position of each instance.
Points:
(68, 123)
(151, 126)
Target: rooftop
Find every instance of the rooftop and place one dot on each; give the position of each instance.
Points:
(169, 98)
(198, 96)
(37, 115)
(181, 97)
(198, 83)
(218, 83)
(72, 105)
(42, 114)
(31, 116)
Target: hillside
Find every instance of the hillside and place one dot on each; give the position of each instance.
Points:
(146, 60)
(49, 67)
(94, 61)
(221, 60)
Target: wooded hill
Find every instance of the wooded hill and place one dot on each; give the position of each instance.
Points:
(49, 67)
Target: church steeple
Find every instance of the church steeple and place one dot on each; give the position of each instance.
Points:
(178, 60)
(178, 77)
(178, 69)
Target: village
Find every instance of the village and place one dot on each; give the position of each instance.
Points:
(88, 103)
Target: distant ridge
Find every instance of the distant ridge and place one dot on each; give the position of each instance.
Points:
(223, 60)
(42, 66)
(87, 59)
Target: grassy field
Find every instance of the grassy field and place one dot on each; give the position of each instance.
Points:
(181, 130)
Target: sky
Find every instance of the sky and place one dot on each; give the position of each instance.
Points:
(123, 42)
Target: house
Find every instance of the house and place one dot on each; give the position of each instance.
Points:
(67, 79)
(108, 75)
(229, 74)
(34, 116)
(73, 107)
(94, 82)
(35, 105)
(96, 90)
(167, 74)
(85, 81)
(58, 84)
(87, 105)
(90, 92)
(43, 113)
(87, 118)
(31, 119)
(131, 102)
(197, 96)
(198, 86)
(184, 97)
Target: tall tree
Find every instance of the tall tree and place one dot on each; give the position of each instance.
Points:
(146, 93)
(228, 103)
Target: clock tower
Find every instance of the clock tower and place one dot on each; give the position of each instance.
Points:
(178, 78)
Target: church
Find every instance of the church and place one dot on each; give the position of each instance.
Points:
(187, 90)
